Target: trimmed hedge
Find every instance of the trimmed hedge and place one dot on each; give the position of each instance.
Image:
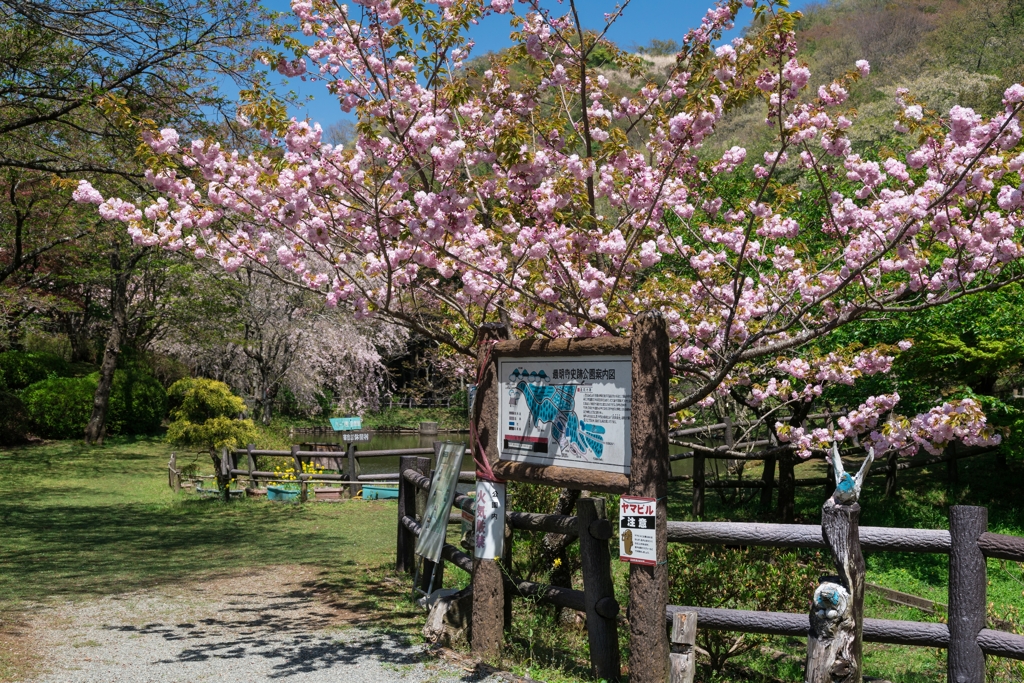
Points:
(19, 369)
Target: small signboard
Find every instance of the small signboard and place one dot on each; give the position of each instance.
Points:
(344, 424)
(355, 436)
(637, 532)
(439, 501)
(571, 411)
(489, 525)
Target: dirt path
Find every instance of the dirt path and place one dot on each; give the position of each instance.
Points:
(226, 631)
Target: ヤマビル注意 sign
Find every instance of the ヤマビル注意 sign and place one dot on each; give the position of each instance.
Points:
(638, 542)
(571, 411)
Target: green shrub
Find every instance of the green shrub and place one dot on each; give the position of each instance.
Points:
(203, 413)
(60, 406)
(20, 369)
(14, 419)
(138, 403)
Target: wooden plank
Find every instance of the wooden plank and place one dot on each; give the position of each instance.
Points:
(563, 477)
(649, 472)
(967, 586)
(595, 558)
(595, 346)
(682, 662)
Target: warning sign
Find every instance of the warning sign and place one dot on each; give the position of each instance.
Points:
(637, 532)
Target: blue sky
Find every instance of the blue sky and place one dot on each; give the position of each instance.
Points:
(642, 21)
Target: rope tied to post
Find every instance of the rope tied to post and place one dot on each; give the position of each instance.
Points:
(483, 465)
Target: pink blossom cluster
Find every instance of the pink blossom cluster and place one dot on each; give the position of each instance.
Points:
(525, 199)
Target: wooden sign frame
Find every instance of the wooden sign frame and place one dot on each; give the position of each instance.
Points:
(487, 420)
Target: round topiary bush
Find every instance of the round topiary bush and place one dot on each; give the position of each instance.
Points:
(14, 419)
(138, 403)
(60, 406)
(20, 369)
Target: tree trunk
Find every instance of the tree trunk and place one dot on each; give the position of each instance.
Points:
(787, 488)
(768, 480)
(94, 431)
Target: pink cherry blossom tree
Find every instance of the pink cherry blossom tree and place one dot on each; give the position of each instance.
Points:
(534, 191)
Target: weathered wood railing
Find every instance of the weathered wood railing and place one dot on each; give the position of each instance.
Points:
(968, 543)
(590, 527)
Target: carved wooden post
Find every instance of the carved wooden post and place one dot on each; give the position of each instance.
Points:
(835, 641)
(429, 568)
(967, 586)
(488, 583)
(649, 470)
(353, 471)
(405, 560)
(598, 591)
(173, 480)
(682, 661)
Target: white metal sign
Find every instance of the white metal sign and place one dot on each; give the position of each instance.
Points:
(637, 532)
(571, 411)
(489, 523)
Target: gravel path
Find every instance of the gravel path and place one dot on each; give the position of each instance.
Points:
(226, 631)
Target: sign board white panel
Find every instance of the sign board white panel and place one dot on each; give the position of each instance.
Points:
(571, 411)
(489, 525)
(637, 532)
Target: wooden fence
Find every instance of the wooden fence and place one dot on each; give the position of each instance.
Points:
(968, 543)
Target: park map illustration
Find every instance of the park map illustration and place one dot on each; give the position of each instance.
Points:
(556, 405)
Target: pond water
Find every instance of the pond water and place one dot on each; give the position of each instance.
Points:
(381, 441)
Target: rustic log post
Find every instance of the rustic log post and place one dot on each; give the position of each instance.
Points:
(225, 473)
(890, 475)
(405, 559)
(506, 563)
(682, 661)
(967, 587)
(303, 485)
(787, 487)
(173, 479)
(598, 591)
(649, 470)
(698, 485)
(768, 480)
(249, 448)
(353, 470)
(835, 641)
(488, 583)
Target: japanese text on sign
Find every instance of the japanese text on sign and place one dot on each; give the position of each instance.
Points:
(638, 530)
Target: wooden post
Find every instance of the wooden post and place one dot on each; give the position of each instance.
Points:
(405, 560)
(249, 448)
(488, 584)
(506, 563)
(890, 475)
(303, 485)
(682, 661)
(422, 465)
(967, 586)
(225, 472)
(787, 487)
(649, 470)
(698, 485)
(598, 591)
(173, 480)
(353, 470)
(835, 641)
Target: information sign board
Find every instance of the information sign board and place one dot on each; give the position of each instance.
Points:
(571, 411)
(637, 531)
(355, 436)
(439, 501)
(341, 424)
